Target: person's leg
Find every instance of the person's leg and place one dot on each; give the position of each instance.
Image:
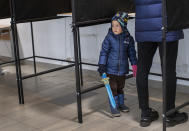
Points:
(121, 84)
(172, 51)
(146, 53)
(113, 84)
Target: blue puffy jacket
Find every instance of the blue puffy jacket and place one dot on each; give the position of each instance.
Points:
(148, 22)
(116, 49)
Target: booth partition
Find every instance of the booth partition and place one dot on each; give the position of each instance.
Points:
(175, 17)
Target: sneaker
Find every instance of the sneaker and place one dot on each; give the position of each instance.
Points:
(114, 111)
(148, 116)
(121, 104)
(176, 118)
(3, 72)
(124, 108)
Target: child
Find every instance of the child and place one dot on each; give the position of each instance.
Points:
(117, 47)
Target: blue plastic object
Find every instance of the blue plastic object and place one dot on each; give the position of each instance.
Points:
(105, 79)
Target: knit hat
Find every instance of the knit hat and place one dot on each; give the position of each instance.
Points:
(122, 18)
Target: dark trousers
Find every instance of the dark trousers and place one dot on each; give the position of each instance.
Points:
(117, 84)
(146, 51)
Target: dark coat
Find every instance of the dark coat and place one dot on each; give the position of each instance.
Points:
(116, 49)
(148, 22)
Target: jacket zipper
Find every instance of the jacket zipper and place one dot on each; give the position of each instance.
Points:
(119, 56)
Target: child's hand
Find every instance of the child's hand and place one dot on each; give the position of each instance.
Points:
(102, 69)
(134, 67)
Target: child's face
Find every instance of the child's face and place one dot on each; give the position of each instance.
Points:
(116, 27)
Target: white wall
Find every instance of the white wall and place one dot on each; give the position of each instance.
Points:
(54, 39)
(5, 47)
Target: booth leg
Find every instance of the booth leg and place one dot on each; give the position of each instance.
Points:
(80, 60)
(164, 64)
(33, 48)
(17, 63)
(77, 70)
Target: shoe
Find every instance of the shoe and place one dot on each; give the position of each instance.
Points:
(176, 118)
(2, 72)
(122, 106)
(114, 111)
(148, 116)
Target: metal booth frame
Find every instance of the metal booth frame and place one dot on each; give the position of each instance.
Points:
(78, 63)
(17, 60)
(164, 31)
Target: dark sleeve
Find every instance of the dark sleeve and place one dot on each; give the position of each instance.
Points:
(132, 51)
(104, 51)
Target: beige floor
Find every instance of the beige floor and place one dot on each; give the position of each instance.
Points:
(50, 104)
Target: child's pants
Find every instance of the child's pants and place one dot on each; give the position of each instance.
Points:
(117, 84)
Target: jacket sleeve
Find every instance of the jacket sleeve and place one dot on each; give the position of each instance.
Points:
(132, 51)
(104, 51)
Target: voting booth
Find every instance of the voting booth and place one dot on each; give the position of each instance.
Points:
(87, 13)
(84, 13)
(175, 17)
(21, 11)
